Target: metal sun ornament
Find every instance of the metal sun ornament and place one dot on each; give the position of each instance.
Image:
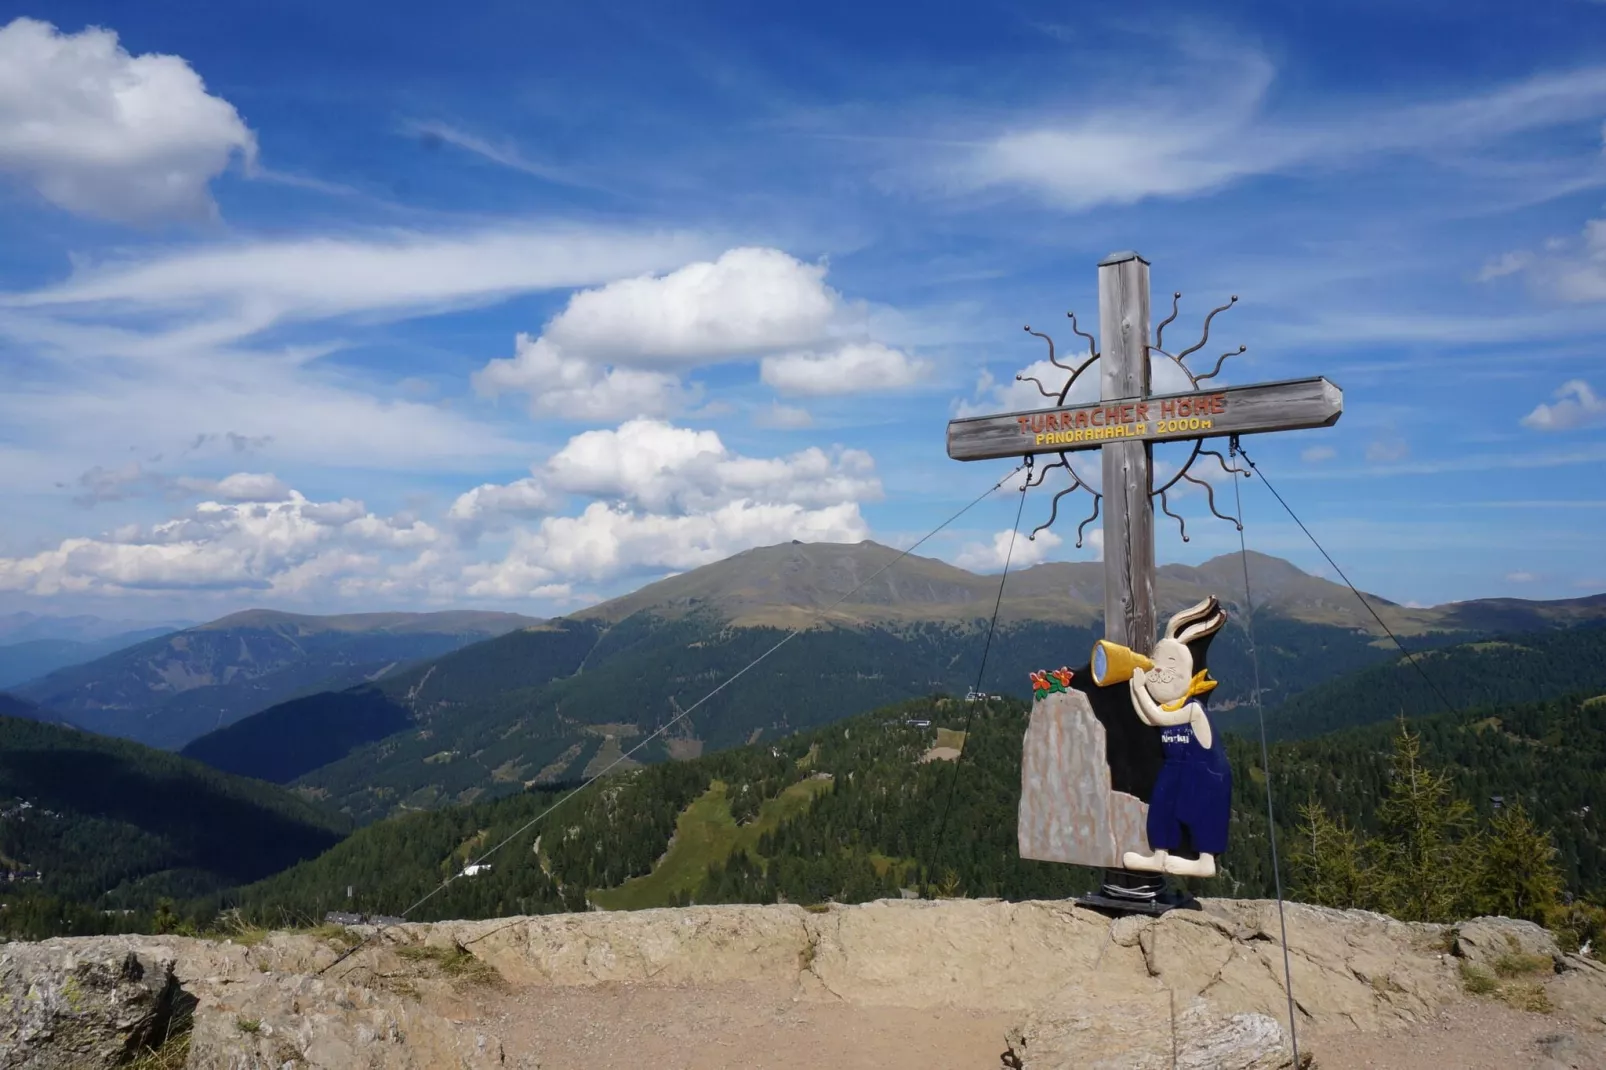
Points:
(1184, 473)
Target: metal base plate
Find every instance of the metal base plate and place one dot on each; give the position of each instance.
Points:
(1122, 905)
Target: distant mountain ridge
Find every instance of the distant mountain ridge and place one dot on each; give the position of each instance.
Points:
(168, 690)
(566, 698)
(30, 659)
(81, 628)
(788, 585)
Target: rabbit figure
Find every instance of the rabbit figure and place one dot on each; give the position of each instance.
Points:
(1194, 789)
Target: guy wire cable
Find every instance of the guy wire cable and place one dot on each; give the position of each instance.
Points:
(669, 723)
(970, 711)
(1410, 657)
(1265, 754)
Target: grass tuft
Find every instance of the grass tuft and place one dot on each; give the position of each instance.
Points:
(456, 962)
(1517, 963)
(1527, 997)
(1477, 980)
(337, 936)
(173, 1055)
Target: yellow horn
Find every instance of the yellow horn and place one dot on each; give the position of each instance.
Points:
(1113, 663)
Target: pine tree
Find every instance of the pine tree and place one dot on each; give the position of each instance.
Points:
(1330, 863)
(1519, 878)
(1430, 853)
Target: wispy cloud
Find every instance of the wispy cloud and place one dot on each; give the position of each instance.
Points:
(435, 134)
(1594, 453)
(1576, 405)
(160, 348)
(323, 277)
(1209, 121)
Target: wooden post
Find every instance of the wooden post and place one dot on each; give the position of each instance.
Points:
(1128, 466)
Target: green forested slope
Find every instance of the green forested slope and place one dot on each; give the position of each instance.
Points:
(1550, 756)
(1508, 669)
(875, 826)
(113, 824)
(493, 718)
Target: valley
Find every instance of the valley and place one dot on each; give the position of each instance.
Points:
(518, 711)
(810, 778)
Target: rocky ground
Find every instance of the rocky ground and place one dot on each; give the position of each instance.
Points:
(896, 984)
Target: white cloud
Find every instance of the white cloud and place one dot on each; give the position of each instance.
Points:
(666, 497)
(1505, 264)
(783, 417)
(575, 389)
(103, 133)
(275, 547)
(240, 487)
(1317, 454)
(854, 368)
(1570, 269)
(1026, 552)
(748, 302)
(523, 497)
(610, 540)
(1520, 577)
(620, 349)
(1577, 405)
(662, 467)
(616, 351)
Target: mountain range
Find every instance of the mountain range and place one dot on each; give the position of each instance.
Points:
(569, 697)
(166, 690)
(506, 723)
(82, 628)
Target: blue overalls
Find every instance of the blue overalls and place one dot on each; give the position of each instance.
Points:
(1194, 789)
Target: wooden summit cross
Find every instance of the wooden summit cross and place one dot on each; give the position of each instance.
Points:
(1124, 425)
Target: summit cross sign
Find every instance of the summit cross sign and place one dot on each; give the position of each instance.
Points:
(1121, 768)
(1126, 422)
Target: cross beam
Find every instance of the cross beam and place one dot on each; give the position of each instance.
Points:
(1234, 410)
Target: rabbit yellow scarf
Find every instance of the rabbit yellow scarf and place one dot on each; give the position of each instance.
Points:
(1200, 683)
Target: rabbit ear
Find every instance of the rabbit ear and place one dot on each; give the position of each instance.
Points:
(1209, 625)
(1193, 614)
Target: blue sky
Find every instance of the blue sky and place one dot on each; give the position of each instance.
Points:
(339, 307)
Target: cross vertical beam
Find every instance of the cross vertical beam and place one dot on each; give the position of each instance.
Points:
(1128, 466)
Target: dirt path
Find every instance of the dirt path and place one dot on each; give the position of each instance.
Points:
(1475, 1035)
(623, 1027)
(648, 1027)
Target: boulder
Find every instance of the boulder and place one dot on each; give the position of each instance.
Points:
(1501, 945)
(315, 1024)
(84, 1004)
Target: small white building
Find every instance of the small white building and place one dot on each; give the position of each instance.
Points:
(476, 869)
